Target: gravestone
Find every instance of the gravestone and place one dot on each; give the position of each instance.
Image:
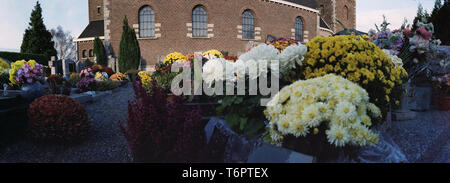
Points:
(272, 154)
(228, 146)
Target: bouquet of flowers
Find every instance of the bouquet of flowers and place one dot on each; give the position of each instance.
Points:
(118, 77)
(357, 60)
(86, 72)
(101, 76)
(212, 54)
(173, 57)
(328, 108)
(282, 43)
(24, 72)
(244, 112)
(87, 84)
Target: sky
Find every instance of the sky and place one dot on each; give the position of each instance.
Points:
(72, 15)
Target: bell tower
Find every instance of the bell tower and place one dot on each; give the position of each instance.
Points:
(95, 10)
(343, 10)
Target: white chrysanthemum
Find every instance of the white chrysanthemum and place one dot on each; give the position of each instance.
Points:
(343, 105)
(284, 125)
(374, 110)
(240, 68)
(261, 52)
(398, 62)
(218, 69)
(299, 129)
(345, 111)
(311, 116)
(213, 70)
(338, 136)
(291, 56)
(258, 57)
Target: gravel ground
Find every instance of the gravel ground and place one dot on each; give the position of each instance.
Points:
(105, 143)
(424, 139)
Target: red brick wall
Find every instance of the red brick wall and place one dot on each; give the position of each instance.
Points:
(328, 11)
(93, 12)
(85, 45)
(349, 22)
(274, 19)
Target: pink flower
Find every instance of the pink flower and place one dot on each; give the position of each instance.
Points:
(424, 33)
(407, 32)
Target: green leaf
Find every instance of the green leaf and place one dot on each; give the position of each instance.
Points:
(232, 120)
(238, 100)
(227, 101)
(243, 123)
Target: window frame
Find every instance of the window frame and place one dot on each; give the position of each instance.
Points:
(299, 26)
(199, 22)
(146, 22)
(248, 24)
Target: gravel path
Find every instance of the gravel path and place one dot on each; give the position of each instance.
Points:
(104, 145)
(424, 139)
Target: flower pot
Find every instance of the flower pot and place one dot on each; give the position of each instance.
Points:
(444, 103)
(31, 91)
(419, 98)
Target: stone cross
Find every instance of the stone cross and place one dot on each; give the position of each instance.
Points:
(52, 65)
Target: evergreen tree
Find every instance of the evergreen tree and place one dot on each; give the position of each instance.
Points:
(100, 53)
(439, 18)
(37, 39)
(421, 16)
(129, 51)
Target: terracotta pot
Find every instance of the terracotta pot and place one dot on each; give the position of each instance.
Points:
(444, 103)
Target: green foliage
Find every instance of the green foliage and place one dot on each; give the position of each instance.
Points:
(100, 53)
(4, 77)
(37, 39)
(106, 85)
(11, 56)
(439, 18)
(129, 51)
(244, 114)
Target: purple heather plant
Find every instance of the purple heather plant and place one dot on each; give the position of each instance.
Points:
(159, 131)
(87, 84)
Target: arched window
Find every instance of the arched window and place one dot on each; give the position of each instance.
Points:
(146, 22)
(299, 29)
(199, 22)
(346, 12)
(83, 54)
(248, 25)
(91, 53)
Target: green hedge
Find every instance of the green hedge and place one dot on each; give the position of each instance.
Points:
(12, 57)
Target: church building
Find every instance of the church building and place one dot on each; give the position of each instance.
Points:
(186, 26)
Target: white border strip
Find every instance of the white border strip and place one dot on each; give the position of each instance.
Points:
(295, 5)
(325, 29)
(88, 39)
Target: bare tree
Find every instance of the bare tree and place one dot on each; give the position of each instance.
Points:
(64, 44)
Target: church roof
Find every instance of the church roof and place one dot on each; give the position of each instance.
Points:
(323, 24)
(307, 3)
(94, 29)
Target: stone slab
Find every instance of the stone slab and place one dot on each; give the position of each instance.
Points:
(403, 116)
(272, 154)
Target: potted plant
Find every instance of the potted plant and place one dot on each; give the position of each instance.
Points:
(442, 83)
